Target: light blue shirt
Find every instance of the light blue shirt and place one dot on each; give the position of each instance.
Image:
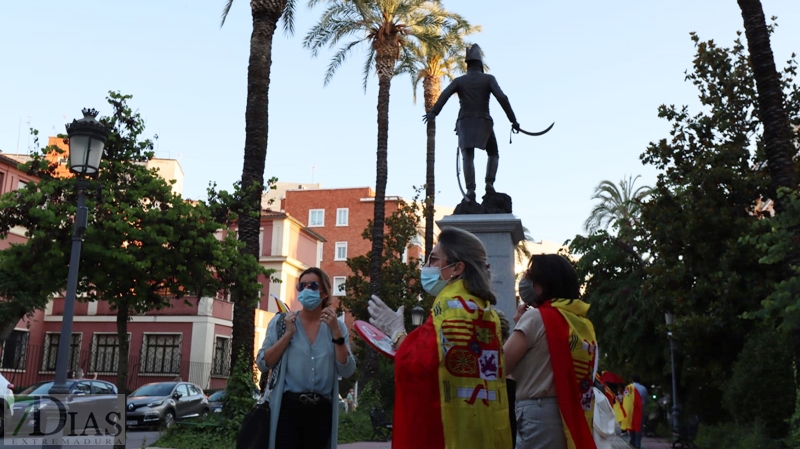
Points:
(310, 368)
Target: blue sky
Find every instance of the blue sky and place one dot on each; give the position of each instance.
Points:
(598, 69)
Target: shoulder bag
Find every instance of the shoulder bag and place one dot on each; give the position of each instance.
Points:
(254, 433)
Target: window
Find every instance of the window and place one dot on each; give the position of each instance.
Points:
(2, 178)
(82, 388)
(341, 251)
(183, 390)
(222, 357)
(51, 351)
(15, 351)
(341, 216)
(21, 184)
(316, 218)
(105, 353)
(103, 388)
(319, 251)
(338, 285)
(161, 354)
(194, 391)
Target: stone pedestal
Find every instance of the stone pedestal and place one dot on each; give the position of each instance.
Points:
(500, 234)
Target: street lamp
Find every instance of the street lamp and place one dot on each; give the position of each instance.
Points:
(675, 409)
(417, 316)
(87, 138)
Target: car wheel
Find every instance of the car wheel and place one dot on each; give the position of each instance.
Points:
(169, 419)
(204, 413)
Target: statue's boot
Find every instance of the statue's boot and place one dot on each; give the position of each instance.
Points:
(469, 171)
(491, 172)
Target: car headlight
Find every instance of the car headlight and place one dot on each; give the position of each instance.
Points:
(155, 403)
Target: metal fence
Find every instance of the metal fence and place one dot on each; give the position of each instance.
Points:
(37, 364)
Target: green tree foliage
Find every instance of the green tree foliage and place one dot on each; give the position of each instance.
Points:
(703, 248)
(618, 206)
(144, 246)
(400, 287)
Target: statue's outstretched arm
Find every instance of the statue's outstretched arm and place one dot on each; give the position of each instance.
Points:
(443, 97)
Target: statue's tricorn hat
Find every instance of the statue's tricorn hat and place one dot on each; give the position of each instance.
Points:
(474, 54)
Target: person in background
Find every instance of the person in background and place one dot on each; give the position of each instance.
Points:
(351, 400)
(314, 352)
(552, 356)
(604, 422)
(450, 378)
(633, 402)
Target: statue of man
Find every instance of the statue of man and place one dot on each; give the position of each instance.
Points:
(475, 126)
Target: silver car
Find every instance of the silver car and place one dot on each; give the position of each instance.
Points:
(162, 403)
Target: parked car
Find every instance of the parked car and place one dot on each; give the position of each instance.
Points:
(215, 400)
(162, 403)
(6, 400)
(84, 395)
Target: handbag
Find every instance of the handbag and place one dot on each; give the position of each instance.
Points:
(254, 432)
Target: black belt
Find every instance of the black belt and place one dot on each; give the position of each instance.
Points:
(307, 398)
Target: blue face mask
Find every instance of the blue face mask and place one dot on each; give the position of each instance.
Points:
(526, 292)
(432, 281)
(310, 299)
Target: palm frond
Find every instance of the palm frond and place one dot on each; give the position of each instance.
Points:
(225, 12)
(338, 59)
(288, 17)
(368, 64)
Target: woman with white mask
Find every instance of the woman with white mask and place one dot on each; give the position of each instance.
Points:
(314, 351)
(450, 388)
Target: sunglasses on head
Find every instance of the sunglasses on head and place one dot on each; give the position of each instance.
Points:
(313, 285)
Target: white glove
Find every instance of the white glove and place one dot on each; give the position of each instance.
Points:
(384, 318)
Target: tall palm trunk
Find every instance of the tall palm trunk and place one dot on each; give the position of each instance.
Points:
(432, 87)
(385, 61)
(265, 19)
(777, 134)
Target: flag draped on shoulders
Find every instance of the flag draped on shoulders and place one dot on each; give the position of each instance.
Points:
(573, 351)
(472, 387)
(632, 408)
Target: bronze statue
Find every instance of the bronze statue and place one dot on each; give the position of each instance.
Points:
(475, 126)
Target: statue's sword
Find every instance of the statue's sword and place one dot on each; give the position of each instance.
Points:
(540, 133)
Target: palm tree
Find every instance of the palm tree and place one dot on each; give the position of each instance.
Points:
(429, 65)
(619, 207)
(778, 146)
(387, 28)
(266, 14)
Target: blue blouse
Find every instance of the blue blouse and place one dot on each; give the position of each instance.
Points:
(310, 368)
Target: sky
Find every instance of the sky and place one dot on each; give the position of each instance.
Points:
(599, 70)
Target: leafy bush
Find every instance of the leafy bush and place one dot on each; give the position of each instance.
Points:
(735, 436)
(761, 389)
(213, 432)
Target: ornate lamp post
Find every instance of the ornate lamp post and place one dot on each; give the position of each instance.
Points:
(87, 138)
(675, 408)
(417, 316)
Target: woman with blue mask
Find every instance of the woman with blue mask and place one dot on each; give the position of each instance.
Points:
(450, 387)
(314, 352)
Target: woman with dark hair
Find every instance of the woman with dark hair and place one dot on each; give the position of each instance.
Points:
(552, 355)
(450, 389)
(314, 351)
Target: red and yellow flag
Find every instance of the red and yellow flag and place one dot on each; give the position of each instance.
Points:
(632, 407)
(573, 351)
(282, 307)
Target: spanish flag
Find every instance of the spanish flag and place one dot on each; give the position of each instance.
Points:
(619, 412)
(573, 351)
(282, 307)
(632, 407)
